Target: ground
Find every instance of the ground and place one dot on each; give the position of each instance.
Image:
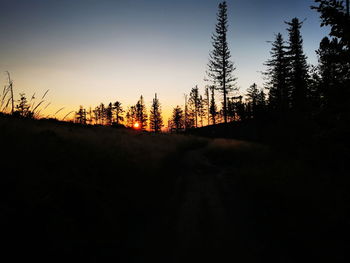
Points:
(99, 194)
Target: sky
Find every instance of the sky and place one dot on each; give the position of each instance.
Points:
(91, 51)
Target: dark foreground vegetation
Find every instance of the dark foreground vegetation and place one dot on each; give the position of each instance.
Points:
(101, 194)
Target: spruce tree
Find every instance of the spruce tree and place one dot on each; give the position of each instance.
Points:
(80, 116)
(155, 119)
(298, 66)
(141, 113)
(177, 119)
(252, 98)
(23, 107)
(277, 76)
(220, 66)
(330, 72)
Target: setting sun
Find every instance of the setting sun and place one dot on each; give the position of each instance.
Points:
(136, 125)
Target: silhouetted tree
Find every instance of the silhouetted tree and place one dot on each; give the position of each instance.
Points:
(261, 104)
(220, 66)
(298, 66)
(194, 104)
(277, 76)
(316, 95)
(97, 115)
(102, 113)
(141, 113)
(188, 117)
(201, 110)
(207, 103)
(336, 15)
(80, 115)
(240, 108)
(131, 117)
(23, 107)
(231, 109)
(155, 119)
(334, 56)
(330, 71)
(177, 119)
(118, 109)
(252, 98)
(90, 116)
(109, 114)
(213, 111)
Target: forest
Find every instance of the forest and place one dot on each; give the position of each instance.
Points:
(259, 175)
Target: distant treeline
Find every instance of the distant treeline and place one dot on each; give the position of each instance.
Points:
(291, 84)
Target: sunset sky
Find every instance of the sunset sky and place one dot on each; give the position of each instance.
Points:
(92, 51)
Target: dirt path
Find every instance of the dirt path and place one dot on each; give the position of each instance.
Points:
(201, 218)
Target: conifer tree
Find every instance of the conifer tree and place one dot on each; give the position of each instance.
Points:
(207, 103)
(131, 117)
(118, 109)
(96, 112)
(252, 98)
(213, 109)
(80, 115)
(261, 104)
(220, 66)
(188, 116)
(336, 15)
(231, 109)
(201, 110)
(155, 119)
(298, 66)
(334, 55)
(194, 103)
(90, 114)
(141, 113)
(177, 119)
(330, 71)
(240, 108)
(109, 114)
(102, 113)
(277, 76)
(23, 107)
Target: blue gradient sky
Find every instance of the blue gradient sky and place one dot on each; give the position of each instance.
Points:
(92, 51)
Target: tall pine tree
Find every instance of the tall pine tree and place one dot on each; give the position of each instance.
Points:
(298, 66)
(277, 76)
(330, 72)
(220, 66)
(177, 119)
(141, 113)
(155, 119)
(194, 104)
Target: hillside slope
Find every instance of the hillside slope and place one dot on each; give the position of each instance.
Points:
(97, 194)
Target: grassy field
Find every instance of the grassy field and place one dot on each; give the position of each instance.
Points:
(101, 194)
